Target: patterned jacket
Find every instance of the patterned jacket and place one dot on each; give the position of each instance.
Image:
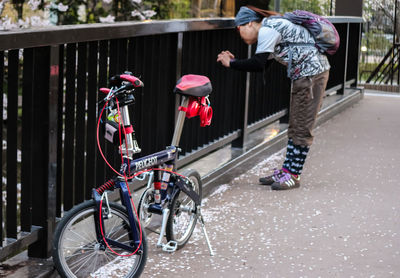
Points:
(277, 34)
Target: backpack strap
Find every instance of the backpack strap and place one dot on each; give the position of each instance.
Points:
(290, 44)
(263, 13)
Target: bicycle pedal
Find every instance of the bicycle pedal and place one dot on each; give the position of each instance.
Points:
(170, 247)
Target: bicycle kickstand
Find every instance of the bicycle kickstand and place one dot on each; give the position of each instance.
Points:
(203, 227)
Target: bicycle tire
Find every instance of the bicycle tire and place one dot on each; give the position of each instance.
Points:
(176, 220)
(77, 253)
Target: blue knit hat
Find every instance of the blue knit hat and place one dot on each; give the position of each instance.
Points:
(245, 15)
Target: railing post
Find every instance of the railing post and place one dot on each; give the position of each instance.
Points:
(12, 118)
(44, 152)
(1, 137)
(179, 47)
(52, 164)
(277, 5)
(358, 77)
(239, 142)
(398, 67)
(341, 91)
(394, 44)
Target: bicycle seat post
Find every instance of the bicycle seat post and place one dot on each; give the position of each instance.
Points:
(179, 122)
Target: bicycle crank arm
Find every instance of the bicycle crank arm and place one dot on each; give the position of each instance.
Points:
(165, 213)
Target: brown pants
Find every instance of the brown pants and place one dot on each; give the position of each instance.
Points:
(306, 100)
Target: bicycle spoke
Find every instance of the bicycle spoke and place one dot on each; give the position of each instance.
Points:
(121, 236)
(77, 254)
(94, 254)
(84, 259)
(80, 248)
(92, 233)
(126, 242)
(111, 233)
(112, 228)
(110, 257)
(80, 236)
(95, 264)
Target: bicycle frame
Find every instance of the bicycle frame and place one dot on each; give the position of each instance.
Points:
(118, 227)
(128, 148)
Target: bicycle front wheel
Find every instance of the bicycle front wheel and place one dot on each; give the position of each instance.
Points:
(78, 253)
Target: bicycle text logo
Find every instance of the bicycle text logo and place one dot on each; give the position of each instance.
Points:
(145, 163)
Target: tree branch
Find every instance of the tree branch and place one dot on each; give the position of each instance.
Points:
(385, 11)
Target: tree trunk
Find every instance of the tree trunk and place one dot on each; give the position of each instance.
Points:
(228, 8)
(115, 8)
(19, 7)
(196, 7)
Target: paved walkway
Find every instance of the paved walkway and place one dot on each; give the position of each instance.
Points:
(344, 221)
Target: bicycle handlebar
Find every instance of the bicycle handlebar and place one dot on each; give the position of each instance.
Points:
(127, 76)
(136, 82)
(123, 83)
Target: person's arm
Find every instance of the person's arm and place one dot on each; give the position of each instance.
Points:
(257, 63)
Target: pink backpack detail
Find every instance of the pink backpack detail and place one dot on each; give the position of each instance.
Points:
(326, 37)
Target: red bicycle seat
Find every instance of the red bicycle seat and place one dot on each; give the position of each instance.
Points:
(193, 85)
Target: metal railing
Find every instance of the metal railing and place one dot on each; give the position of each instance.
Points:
(388, 69)
(49, 80)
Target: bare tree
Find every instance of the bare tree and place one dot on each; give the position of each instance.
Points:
(390, 10)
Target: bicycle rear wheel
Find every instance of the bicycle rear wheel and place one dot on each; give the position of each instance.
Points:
(146, 199)
(77, 252)
(182, 219)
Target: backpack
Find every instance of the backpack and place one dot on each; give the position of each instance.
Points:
(326, 37)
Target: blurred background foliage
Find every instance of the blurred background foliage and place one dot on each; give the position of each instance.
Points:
(60, 12)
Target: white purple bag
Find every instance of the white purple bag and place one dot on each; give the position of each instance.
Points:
(326, 37)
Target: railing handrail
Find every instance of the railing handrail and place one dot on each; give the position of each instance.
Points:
(345, 19)
(25, 38)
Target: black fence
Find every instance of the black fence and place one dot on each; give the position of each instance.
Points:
(388, 70)
(49, 81)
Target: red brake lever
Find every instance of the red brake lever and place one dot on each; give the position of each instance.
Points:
(104, 90)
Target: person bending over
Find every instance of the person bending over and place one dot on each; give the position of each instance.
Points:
(308, 70)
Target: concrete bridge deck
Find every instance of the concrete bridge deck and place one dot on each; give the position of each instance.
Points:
(344, 220)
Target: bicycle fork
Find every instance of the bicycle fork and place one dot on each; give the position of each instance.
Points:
(99, 219)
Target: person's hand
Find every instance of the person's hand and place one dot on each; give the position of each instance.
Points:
(225, 58)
